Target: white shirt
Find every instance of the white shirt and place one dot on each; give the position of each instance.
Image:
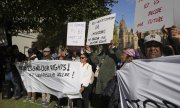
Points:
(86, 71)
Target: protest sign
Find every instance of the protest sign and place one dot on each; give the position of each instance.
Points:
(57, 77)
(152, 83)
(154, 14)
(101, 30)
(176, 13)
(76, 33)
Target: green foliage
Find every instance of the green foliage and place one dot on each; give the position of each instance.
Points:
(116, 39)
(50, 16)
(146, 33)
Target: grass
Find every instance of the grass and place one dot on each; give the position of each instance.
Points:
(10, 103)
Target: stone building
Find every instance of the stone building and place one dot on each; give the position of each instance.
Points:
(127, 38)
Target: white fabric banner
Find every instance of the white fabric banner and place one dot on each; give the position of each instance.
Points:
(101, 30)
(76, 33)
(153, 83)
(154, 14)
(58, 77)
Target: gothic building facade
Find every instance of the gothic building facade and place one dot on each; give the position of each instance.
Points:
(127, 38)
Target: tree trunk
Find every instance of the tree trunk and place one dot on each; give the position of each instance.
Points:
(9, 37)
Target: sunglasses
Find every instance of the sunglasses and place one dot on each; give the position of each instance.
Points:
(82, 57)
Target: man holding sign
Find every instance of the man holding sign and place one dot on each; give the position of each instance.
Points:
(153, 46)
(146, 83)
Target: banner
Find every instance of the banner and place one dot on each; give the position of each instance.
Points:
(58, 77)
(101, 30)
(76, 33)
(152, 83)
(154, 14)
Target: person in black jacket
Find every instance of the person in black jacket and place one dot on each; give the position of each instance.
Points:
(111, 92)
(11, 73)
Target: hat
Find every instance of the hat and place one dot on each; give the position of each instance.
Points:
(151, 37)
(46, 49)
(132, 53)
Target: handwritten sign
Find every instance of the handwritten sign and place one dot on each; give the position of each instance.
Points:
(76, 33)
(57, 77)
(153, 14)
(101, 30)
(177, 13)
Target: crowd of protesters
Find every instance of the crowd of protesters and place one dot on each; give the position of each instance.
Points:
(99, 82)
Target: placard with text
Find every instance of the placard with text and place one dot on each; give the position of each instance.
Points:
(76, 33)
(101, 30)
(153, 14)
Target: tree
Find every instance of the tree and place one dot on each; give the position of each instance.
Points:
(49, 16)
(116, 39)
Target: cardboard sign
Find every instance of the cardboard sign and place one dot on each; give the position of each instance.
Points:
(177, 13)
(76, 34)
(153, 14)
(101, 30)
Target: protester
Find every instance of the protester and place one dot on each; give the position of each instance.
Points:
(11, 73)
(168, 50)
(75, 56)
(46, 96)
(106, 71)
(153, 46)
(18, 56)
(93, 61)
(54, 55)
(64, 55)
(86, 70)
(61, 55)
(173, 37)
(111, 92)
(128, 55)
(107, 67)
(31, 96)
(38, 53)
(2, 61)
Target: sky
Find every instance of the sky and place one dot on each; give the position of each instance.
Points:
(125, 8)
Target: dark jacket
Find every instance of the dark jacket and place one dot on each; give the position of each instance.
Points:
(112, 92)
(106, 72)
(175, 44)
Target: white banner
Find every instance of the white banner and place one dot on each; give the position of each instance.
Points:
(153, 14)
(57, 77)
(150, 83)
(76, 33)
(101, 30)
